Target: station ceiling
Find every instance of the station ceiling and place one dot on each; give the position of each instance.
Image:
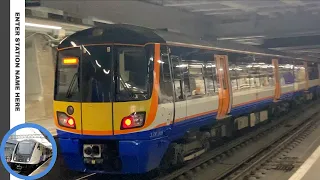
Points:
(242, 10)
(286, 25)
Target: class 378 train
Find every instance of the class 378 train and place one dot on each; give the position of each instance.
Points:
(129, 99)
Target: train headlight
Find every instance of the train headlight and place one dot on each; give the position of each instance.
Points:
(88, 151)
(15, 158)
(65, 120)
(70, 110)
(134, 120)
(28, 159)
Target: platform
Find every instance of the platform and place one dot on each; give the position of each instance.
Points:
(41, 168)
(309, 170)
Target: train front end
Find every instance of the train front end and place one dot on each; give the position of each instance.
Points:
(105, 103)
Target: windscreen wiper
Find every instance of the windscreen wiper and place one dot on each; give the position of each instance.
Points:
(68, 94)
(131, 94)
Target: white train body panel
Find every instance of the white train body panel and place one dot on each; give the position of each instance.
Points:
(39, 154)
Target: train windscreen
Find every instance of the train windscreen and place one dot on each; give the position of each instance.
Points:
(87, 75)
(67, 84)
(25, 148)
(97, 74)
(133, 74)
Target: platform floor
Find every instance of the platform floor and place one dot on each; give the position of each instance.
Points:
(41, 168)
(310, 169)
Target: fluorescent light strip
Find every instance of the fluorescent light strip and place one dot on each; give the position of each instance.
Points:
(42, 26)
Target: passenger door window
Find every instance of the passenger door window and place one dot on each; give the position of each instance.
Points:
(178, 77)
(166, 86)
(210, 78)
(196, 79)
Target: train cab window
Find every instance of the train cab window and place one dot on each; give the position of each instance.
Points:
(178, 78)
(67, 86)
(166, 85)
(133, 74)
(25, 148)
(96, 74)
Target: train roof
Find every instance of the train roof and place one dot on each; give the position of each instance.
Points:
(11, 141)
(35, 141)
(29, 140)
(131, 34)
(113, 33)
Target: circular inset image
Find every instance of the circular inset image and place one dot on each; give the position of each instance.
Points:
(28, 151)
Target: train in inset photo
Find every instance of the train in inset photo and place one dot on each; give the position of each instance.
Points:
(27, 150)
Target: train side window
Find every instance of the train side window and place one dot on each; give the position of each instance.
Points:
(185, 79)
(286, 72)
(166, 85)
(299, 72)
(196, 79)
(244, 72)
(313, 71)
(178, 78)
(266, 73)
(260, 73)
(234, 77)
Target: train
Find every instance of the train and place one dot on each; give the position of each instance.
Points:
(130, 99)
(29, 154)
(10, 145)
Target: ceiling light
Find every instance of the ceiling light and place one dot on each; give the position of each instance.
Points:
(42, 26)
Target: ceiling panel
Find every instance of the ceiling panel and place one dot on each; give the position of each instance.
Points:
(231, 9)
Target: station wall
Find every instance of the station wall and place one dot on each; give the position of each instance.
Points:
(39, 79)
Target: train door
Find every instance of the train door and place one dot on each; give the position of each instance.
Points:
(179, 87)
(97, 90)
(225, 89)
(277, 91)
(166, 106)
